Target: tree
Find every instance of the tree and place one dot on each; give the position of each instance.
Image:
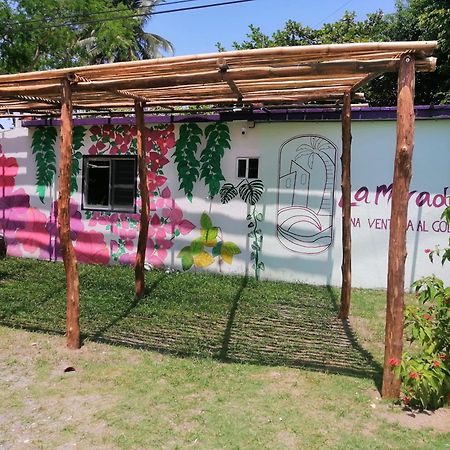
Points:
(44, 34)
(412, 20)
(102, 44)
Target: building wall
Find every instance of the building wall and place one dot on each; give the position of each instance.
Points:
(296, 198)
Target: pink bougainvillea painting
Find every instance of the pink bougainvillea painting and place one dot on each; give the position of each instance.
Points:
(98, 237)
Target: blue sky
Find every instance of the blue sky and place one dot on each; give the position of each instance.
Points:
(198, 31)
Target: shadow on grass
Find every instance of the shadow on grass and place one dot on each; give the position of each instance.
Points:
(231, 319)
(280, 334)
(124, 314)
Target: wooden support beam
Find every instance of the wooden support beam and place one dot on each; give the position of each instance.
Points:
(399, 215)
(68, 252)
(120, 92)
(223, 68)
(139, 271)
(346, 207)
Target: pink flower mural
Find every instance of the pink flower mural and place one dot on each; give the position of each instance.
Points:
(167, 222)
(22, 226)
(98, 236)
(89, 245)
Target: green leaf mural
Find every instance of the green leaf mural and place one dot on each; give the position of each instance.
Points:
(78, 141)
(217, 141)
(197, 253)
(43, 147)
(227, 192)
(250, 192)
(185, 157)
(256, 237)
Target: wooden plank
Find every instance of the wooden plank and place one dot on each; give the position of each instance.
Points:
(346, 187)
(397, 235)
(139, 270)
(68, 252)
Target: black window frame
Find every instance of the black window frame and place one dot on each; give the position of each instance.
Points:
(247, 167)
(85, 180)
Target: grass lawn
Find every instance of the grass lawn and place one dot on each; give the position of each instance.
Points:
(202, 361)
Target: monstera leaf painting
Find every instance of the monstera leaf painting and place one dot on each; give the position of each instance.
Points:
(43, 147)
(249, 191)
(217, 141)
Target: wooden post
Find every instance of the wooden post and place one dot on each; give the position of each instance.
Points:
(68, 252)
(346, 187)
(399, 216)
(143, 187)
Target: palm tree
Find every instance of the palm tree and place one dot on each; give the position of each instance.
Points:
(124, 39)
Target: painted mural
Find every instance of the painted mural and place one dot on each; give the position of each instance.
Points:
(209, 165)
(203, 250)
(283, 224)
(103, 237)
(167, 222)
(307, 168)
(22, 225)
(250, 192)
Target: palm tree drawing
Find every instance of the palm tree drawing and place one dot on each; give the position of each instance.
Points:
(306, 194)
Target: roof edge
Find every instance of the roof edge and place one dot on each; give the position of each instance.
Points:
(280, 115)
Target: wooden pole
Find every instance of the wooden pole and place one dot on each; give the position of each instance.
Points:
(143, 187)
(68, 252)
(399, 216)
(346, 266)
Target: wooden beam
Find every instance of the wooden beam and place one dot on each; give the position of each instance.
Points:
(346, 187)
(120, 92)
(399, 216)
(139, 271)
(68, 252)
(223, 68)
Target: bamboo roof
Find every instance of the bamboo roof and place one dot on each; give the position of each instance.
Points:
(287, 75)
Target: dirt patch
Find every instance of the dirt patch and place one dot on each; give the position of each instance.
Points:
(436, 420)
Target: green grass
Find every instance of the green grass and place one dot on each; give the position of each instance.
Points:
(190, 314)
(238, 364)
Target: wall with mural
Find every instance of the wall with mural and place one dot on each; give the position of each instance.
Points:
(213, 209)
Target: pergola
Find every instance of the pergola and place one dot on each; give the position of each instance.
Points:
(261, 78)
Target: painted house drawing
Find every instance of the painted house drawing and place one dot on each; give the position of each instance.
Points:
(307, 168)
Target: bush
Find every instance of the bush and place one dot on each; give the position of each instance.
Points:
(425, 366)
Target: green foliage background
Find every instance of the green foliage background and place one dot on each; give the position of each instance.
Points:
(412, 20)
(45, 34)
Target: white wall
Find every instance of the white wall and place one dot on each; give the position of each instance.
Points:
(372, 166)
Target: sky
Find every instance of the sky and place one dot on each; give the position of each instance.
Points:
(198, 31)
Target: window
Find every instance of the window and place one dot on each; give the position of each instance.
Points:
(247, 167)
(109, 183)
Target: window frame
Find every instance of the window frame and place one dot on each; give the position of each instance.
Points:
(247, 166)
(85, 179)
